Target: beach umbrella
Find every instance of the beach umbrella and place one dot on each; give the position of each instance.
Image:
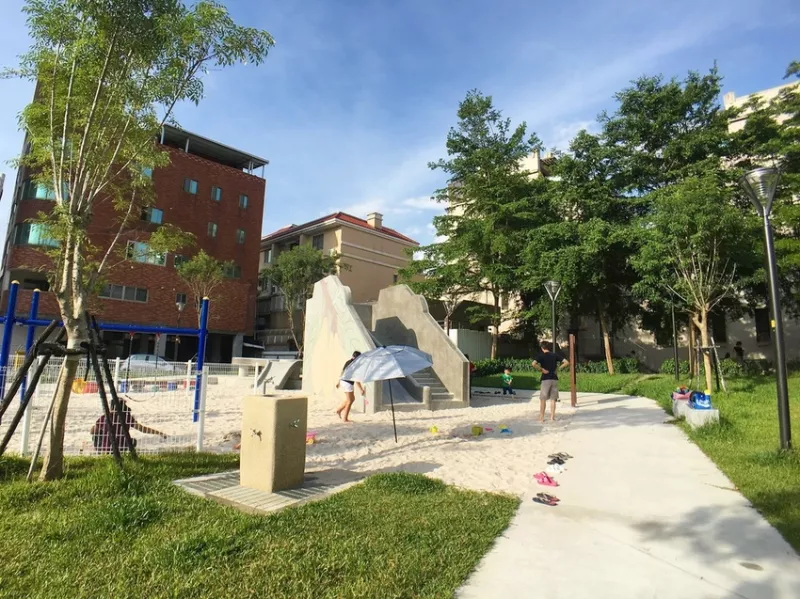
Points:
(387, 363)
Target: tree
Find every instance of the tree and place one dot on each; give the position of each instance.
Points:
(491, 200)
(108, 76)
(203, 274)
(439, 276)
(699, 246)
(295, 273)
(588, 247)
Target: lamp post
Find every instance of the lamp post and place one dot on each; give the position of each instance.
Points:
(180, 306)
(553, 288)
(675, 356)
(760, 185)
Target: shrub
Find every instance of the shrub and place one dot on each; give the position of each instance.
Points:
(621, 366)
(729, 368)
(490, 367)
(668, 367)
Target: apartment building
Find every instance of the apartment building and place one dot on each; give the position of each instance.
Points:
(374, 252)
(209, 189)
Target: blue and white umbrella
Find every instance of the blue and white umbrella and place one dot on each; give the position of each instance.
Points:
(386, 363)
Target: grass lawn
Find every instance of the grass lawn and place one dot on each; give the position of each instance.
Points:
(105, 533)
(744, 445)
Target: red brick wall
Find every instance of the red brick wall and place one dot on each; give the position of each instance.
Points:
(233, 304)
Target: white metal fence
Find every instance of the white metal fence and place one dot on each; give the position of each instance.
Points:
(161, 401)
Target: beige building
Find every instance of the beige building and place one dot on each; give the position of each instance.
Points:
(374, 253)
(731, 100)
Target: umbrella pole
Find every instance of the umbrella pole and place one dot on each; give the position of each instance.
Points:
(391, 401)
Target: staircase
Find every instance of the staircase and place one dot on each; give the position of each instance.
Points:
(428, 378)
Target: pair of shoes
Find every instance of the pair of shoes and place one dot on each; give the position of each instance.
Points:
(560, 455)
(545, 479)
(546, 499)
(558, 461)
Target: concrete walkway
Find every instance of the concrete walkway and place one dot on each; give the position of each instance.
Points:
(643, 514)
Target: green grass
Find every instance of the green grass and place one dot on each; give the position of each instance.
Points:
(106, 533)
(593, 383)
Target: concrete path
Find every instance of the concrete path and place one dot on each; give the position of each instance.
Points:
(643, 514)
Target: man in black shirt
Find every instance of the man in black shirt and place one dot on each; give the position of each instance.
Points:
(548, 362)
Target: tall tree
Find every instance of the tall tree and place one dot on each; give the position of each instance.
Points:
(490, 199)
(295, 273)
(696, 244)
(588, 247)
(108, 76)
(203, 274)
(439, 275)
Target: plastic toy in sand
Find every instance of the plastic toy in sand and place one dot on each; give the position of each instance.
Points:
(311, 437)
(434, 429)
(504, 430)
(477, 431)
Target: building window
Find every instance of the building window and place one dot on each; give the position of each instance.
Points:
(180, 298)
(269, 256)
(33, 234)
(190, 186)
(212, 229)
(36, 191)
(240, 236)
(763, 325)
(216, 193)
(178, 260)
(318, 241)
(153, 215)
(719, 328)
(124, 293)
(147, 172)
(242, 201)
(138, 251)
(233, 271)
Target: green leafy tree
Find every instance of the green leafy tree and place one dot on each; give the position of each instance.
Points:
(696, 244)
(439, 275)
(491, 201)
(108, 75)
(588, 247)
(204, 275)
(771, 137)
(295, 272)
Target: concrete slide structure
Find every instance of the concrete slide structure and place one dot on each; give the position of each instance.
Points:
(335, 328)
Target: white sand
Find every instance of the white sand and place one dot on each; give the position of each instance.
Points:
(492, 461)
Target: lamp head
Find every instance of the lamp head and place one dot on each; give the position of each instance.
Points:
(760, 185)
(180, 306)
(553, 288)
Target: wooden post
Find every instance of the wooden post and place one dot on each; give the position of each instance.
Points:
(573, 383)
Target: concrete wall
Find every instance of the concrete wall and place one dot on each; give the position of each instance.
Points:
(402, 318)
(476, 344)
(333, 332)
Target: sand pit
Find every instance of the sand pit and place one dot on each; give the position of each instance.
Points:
(492, 461)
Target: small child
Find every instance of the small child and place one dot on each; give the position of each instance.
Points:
(507, 381)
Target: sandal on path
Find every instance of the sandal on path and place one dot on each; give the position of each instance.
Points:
(547, 497)
(545, 501)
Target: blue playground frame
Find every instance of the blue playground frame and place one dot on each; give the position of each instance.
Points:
(32, 321)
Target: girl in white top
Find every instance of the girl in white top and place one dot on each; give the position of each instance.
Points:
(343, 411)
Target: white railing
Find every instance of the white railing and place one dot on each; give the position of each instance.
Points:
(160, 399)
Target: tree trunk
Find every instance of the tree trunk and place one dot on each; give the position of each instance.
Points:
(54, 460)
(692, 346)
(702, 324)
(447, 324)
(496, 324)
(290, 313)
(606, 341)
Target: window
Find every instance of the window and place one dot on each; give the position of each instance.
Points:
(212, 229)
(318, 241)
(242, 201)
(394, 278)
(124, 293)
(239, 235)
(139, 251)
(269, 256)
(180, 298)
(36, 191)
(33, 234)
(190, 186)
(31, 284)
(147, 172)
(153, 215)
(178, 260)
(216, 193)
(719, 329)
(233, 271)
(763, 325)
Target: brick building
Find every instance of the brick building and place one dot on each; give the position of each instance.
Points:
(209, 190)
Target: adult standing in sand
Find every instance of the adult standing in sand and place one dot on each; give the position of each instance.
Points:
(343, 411)
(548, 363)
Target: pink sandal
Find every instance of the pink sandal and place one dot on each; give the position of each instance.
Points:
(545, 480)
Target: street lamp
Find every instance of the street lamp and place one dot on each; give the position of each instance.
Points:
(761, 184)
(180, 306)
(553, 288)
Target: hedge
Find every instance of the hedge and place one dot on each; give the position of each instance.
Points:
(728, 367)
(489, 367)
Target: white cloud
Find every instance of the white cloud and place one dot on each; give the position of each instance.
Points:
(422, 203)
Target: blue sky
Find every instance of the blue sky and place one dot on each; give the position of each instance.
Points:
(358, 95)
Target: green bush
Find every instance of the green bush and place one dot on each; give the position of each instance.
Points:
(490, 367)
(621, 366)
(668, 367)
(729, 367)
